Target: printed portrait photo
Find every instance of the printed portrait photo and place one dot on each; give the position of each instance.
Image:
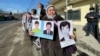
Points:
(48, 28)
(65, 30)
(36, 26)
(43, 29)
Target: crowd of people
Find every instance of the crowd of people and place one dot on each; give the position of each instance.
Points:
(48, 47)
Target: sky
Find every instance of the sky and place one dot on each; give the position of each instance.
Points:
(20, 5)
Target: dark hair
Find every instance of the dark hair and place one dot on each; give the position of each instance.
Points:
(36, 22)
(91, 8)
(34, 11)
(64, 24)
(30, 18)
(29, 13)
(42, 6)
(49, 23)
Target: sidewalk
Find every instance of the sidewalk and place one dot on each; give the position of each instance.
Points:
(87, 44)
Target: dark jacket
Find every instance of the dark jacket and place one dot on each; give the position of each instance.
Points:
(42, 13)
(52, 47)
(93, 14)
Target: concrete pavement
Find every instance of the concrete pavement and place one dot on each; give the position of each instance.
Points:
(87, 44)
(14, 42)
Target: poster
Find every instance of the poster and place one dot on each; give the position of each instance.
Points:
(43, 29)
(65, 29)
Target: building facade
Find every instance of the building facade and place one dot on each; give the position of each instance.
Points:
(76, 9)
(60, 6)
(79, 8)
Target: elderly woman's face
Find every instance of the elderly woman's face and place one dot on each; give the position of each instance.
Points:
(51, 11)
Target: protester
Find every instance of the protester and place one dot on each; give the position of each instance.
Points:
(51, 47)
(33, 17)
(34, 39)
(28, 21)
(41, 11)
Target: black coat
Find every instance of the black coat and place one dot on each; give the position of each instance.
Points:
(52, 47)
(93, 14)
(42, 13)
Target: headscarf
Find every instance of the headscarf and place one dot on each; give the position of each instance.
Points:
(50, 17)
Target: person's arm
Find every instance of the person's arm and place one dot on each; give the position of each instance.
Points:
(23, 19)
(30, 31)
(23, 22)
(92, 16)
(89, 16)
(71, 32)
(97, 16)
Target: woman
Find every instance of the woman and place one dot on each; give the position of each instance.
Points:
(41, 11)
(26, 21)
(34, 39)
(34, 14)
(51, 47)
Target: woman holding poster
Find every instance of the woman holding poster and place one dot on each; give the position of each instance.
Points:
(52, 47)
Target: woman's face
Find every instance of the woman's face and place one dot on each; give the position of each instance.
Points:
(32, 12)
(51, 11)
(39, 6)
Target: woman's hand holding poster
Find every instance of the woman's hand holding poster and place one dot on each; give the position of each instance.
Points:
(65, 30)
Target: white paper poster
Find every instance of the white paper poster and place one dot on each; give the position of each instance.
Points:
(43, 29)
(65, 30)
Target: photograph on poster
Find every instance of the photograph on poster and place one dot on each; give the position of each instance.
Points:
(43, 29)
(48, 30)
(36, 26)
(65, 29)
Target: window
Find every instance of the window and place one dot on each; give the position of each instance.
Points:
(74, 15)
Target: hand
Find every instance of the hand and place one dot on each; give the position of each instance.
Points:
(72, 36)
(30, 33)
(91, 17)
